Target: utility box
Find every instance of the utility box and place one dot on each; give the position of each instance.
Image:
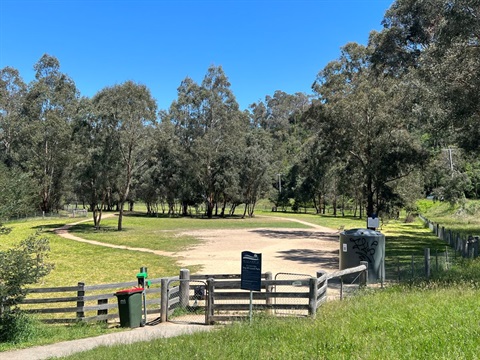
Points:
(363, 245)
(130, 307)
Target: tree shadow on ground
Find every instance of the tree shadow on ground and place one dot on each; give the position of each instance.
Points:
(290, 235)
(321, 258)
(48, 226)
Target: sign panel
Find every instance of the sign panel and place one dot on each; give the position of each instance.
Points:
(373, 223)
(251, 278)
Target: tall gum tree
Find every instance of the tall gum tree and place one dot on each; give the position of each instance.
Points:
(210, 127)
(12, 94)
(127, 111)
(359, 119)
(48, 110)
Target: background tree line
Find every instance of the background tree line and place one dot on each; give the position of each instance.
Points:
(386, 123)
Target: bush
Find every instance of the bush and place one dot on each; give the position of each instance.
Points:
(16, 327)
(22, 265)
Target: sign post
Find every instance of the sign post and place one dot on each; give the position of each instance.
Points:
(251, 276)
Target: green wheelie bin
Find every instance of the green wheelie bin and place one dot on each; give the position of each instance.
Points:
(130, 307)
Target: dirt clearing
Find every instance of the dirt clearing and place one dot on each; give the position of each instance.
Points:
(300, 251)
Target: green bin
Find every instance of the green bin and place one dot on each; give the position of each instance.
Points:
(130, 307)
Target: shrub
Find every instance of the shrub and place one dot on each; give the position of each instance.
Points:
(16, 327)
(21, 265)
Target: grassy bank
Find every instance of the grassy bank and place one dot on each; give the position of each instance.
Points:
(435, 320)
(399, 323)
(463, 218)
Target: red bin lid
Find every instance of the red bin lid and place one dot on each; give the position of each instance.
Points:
(129, 291)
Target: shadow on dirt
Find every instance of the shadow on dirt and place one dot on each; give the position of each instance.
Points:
(321, 258)
(304, 234)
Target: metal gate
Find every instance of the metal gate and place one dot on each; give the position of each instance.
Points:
(187, 301)
(294, 287)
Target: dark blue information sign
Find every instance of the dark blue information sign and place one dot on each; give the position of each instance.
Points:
(251, 271)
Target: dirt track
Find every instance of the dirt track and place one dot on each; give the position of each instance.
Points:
(301, 251)
(292, 250)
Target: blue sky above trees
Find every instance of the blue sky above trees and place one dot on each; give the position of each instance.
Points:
(262, 45)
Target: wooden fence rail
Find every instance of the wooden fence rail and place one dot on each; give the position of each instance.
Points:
(467, 246)
(224, 301)
(87, 302)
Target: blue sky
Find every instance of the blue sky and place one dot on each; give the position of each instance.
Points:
(262, 45)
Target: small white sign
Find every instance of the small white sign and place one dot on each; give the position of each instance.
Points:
(373, 222)
(344, 247)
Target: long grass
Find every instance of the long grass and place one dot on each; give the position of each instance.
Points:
(398, 323)
(462, 218)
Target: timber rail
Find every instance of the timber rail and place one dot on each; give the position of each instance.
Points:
(219, 296)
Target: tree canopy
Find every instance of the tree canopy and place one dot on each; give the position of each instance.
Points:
(386, 122)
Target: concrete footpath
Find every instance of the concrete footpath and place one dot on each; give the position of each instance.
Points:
(64, 348)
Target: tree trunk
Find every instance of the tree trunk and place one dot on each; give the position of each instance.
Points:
(210, 206)
(370, 198)
(120, 215)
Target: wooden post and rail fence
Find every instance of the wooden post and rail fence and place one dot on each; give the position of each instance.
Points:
(223, 300)
(466, 245)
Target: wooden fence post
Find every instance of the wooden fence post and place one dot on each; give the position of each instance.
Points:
(210, 300)
(312, 303)
(475, 247)
(102, 311)
(80, 301)
(470, 247)
(398, 269)
(163, 299)
(184, 287)
(413, 267)
(364, 274)
(446, 258)
(427, 263)
(269, 290)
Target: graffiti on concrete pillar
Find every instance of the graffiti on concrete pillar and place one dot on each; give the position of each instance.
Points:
(363, 249)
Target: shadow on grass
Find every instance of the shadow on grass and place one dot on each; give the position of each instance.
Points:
(411, 243)
(48, 227)
(88, 228)
(178, 216)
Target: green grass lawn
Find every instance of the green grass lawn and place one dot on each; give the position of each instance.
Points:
(397, 323)
(79, 262)
(434, 320)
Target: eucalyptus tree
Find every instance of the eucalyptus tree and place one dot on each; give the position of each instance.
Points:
(280, 116)
(17, 192)
(441, 39)
(126, 111)
(97, 159)
(48, 109)
(359, 118)
(255, 169)
(12, 94)
(210, 127)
